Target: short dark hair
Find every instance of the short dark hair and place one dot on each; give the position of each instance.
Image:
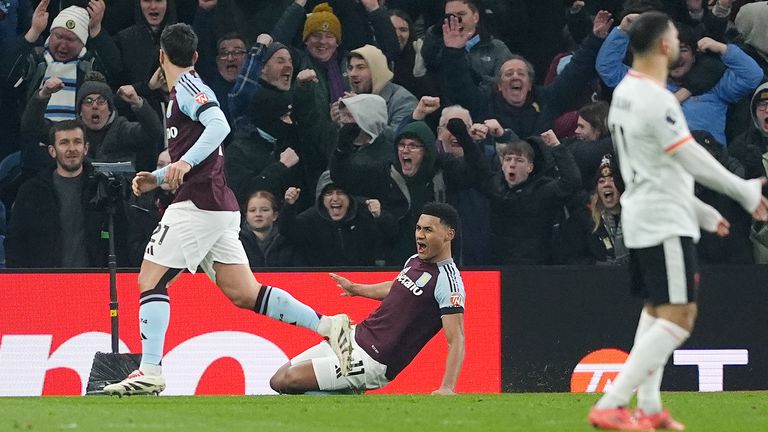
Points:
(647, 30)
(445, 212)
(471, 4)
(64, 125)
(596, 114)
(519, 148)
(232, 36)
(179, 42)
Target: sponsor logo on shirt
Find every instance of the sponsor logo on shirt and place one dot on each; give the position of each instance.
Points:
(201, 98)
(410, 284)
(457, 300)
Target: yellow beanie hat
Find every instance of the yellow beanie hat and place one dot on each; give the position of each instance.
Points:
(322, 19)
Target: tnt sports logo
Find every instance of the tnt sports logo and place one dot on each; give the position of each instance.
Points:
(70, 24)
(457, 300)
(171, 132)
(201, 98)
(596, 372)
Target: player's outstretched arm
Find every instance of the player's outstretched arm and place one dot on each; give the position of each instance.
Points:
(710, 219)
(453, 326)
(372, 291)
(710, 173)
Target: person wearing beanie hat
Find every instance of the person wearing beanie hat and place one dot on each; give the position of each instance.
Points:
(322, 33)
(608, 188)
(73, 19)
(322, 20)
(369, 73)
(65, 58)
(278, 66)
(111, 137)
(95, 104)
(593, 233)
(267, 64)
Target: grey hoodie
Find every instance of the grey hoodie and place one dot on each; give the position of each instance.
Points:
(369, 112)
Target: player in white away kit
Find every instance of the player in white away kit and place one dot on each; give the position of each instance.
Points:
(659, 162)
(201, 226)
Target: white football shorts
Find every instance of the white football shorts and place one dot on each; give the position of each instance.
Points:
(188, 237)
(365, 373)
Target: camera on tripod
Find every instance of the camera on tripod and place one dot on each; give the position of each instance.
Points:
(113, 184)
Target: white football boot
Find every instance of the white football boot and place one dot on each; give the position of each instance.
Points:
(340, 338)
(137, 383)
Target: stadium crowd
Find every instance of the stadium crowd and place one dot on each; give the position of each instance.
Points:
(349, 116)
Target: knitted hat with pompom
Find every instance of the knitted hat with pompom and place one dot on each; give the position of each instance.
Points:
(322, 19)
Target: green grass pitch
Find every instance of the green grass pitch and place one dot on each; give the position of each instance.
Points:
(729, 411)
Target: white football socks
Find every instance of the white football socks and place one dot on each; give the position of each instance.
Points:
(648, 356)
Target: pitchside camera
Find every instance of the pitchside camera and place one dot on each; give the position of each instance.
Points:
(113, 183)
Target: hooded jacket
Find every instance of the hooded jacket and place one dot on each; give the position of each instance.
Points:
(750, 146)
(403, 196)
(400, 102)
(139, 47)
(370, 114)
(750, 22)
(358, 239)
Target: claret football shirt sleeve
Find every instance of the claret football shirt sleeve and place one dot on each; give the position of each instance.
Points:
(198, 102)
(449, 290)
